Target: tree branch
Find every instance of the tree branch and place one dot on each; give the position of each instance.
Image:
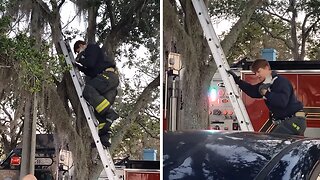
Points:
(120, 30)
(245, 17)
(148, 132)
(44, 6)
(274, 14)
(6, 112)
(111, 13)
(18, 135)
(151, 115)
(71, 20)
(141, 103)
(266, 28)
(303, 26)
(61, 3)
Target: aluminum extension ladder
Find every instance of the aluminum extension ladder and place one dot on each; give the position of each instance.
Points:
(222, 65)
(78, 82)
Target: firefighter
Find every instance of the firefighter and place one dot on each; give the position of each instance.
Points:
(286, 111)
(101, 84)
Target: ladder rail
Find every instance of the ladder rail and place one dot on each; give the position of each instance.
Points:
(105, 156)
(222, 65)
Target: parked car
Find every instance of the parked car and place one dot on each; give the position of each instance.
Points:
(239, 155)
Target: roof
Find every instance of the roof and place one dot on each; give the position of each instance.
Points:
(245, 64)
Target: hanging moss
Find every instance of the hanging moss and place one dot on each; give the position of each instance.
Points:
(34, 67)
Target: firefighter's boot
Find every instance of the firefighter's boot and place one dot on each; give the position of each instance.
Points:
(112, 115)
(104, 133)
(105, 139)
(109, 119)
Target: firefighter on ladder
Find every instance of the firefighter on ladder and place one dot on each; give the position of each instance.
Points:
(286, 111)
(101, 84)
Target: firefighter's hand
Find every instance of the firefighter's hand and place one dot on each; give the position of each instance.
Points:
(235, 77)
(80, 56)
(264, 88)
(76, 64)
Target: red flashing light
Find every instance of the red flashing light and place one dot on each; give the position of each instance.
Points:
(225, 112)
(15, 160)
(221, 92)
(225, 100)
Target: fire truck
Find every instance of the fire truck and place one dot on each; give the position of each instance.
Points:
(305, 78)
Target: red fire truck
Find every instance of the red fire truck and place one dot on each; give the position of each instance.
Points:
(305, 78)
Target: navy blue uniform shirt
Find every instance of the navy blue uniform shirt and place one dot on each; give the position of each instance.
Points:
(280, 100)
(94, 61)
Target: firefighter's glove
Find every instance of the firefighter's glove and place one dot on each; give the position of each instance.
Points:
(76, 64)
(235, 77)
(80, 56)
(264, 88)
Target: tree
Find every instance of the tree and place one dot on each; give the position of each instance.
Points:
(125, 22)
(290, 27)
(181, 26)
(287, 13)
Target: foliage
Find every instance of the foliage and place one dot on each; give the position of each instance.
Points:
(253, 39)
(138, 52)
(148, 124)
(35, 65)
(226, 9)
(273, 26)
(136, 24)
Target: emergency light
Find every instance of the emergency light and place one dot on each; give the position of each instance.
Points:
(15, 160)
(213, 93)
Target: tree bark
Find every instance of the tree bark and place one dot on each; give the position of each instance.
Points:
(141, 103)
(232, 36)
(92, 22)
(294, 38)
(198, 68)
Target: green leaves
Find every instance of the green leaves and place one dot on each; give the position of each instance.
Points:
(33, 63)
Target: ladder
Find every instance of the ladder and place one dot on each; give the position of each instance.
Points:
(78, 82)
(222, 65)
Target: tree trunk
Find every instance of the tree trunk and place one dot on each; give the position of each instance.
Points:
(92, 23)
(232, 36)
(198, 69)
(79, 136)
(294, 38)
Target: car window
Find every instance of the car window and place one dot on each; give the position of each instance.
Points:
(315, 174)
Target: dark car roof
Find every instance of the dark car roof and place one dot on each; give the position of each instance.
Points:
(234, 155)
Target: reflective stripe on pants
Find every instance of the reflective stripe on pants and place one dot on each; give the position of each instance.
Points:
(102, 106)
(292, 126)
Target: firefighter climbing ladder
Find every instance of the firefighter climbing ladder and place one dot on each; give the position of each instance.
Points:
(78, 82)
(222, 65)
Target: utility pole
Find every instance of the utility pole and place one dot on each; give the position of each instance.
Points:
(172, 78)
(29, 137)
(33, 133)
(26, 139)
